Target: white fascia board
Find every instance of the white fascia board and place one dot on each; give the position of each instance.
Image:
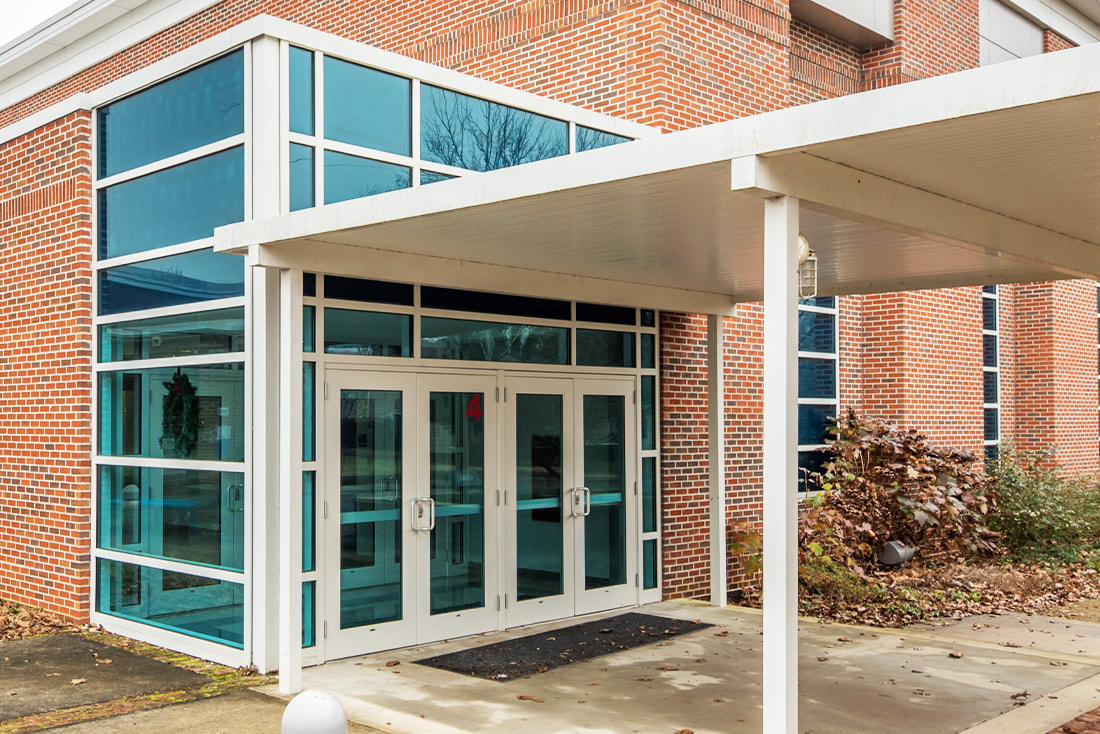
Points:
(81, 37)
(1059, 17)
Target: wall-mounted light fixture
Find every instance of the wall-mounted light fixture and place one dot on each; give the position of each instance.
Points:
(807, 269)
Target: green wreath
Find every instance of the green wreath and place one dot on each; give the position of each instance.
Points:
(180, 424)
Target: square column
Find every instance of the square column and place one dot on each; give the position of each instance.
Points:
(780, 461)
(716, 437)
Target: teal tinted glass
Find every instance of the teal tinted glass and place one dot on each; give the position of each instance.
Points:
(309, 418)
(590, 139)
(428, 177)
(367, 333)
(539, 494)
(367, 107)
(371, 521)
(649, 412)
(208, 332)
(193, 277)
(191, 605)
(309, 329)
(179, 204)
(302, 190)
(649, 563)
(192, 412)
(486, 341)
(301, 90)
(468, 132)
(192, 109)
(649, 494)
(597, 348)
(309, 616)
(309, 503)
(352, 177)
(181, 514)
(456, 482)
(605, 477)
(649, 351)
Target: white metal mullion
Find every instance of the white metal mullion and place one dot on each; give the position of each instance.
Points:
(181, 310)
(415, 132)
(165, 564)
(134, 258)
(153, 462)
(172, 161)
(373, 154)
(319, 128)
(198, 360)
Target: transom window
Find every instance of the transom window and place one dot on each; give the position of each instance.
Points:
(818, 388)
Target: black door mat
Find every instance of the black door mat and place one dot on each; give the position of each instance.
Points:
(525, 656)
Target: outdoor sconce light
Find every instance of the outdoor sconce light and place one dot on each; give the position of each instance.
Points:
(807, 269)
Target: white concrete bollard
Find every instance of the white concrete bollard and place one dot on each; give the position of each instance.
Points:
(314, 712)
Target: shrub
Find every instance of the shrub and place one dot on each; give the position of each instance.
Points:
(1040, 510)
(886, 483)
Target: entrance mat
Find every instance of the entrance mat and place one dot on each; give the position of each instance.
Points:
(526, 656)
(52, 672)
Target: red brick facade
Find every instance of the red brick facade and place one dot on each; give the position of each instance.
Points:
(912, 357)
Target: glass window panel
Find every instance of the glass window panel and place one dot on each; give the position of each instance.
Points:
(309, 616)
(524, 307)
(367, 333)
(607, 314)
(649, 351)
(989, 314)
(195, 108)
(992, 427)
(992, 453)
(302, 190)
(192, 605)
(605, 477)
(193, 277)
(989, 350)
(816, 378)
(301, 90)
(456, 478)
(648, 317)
(990, 387)
(812, 423)
(989, 289)
(816, 332)
(309, 418)
(367, 107)
(649, 412)
(590, 139)
(181, 514)
(371, 521)
(309, 505)
(352, 177)
(809, 463)
(206, 332)
(539, 493)
(819, 301)
(460, 130)
(649, 575)
(368, 291)
(487, 341)
(179, 204)
(430, 177)
(309, 285)
(193, 412)
(597, 348)
(309, 329)
(649, 494)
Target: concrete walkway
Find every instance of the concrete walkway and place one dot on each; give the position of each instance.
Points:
(1011, 674)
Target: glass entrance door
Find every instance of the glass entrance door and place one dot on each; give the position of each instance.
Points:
(571, 466)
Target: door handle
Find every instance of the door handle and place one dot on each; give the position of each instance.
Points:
(419, 513)
(581, 503)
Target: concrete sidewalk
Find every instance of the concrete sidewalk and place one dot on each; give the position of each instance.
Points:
(1012, 674)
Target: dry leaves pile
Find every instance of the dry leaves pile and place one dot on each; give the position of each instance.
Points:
(956, 590)
(19, 622)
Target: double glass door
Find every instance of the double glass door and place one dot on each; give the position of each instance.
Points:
(451, 512)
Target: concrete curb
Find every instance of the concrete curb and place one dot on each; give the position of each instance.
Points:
(1046, 713)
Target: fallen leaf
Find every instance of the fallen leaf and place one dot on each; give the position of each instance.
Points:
(843, 639)
(605, 630)
(644, 680)
(722, 633)
(822, 659)
(530, 698)
(954, 654)
(51, 675)
(1021, 694)
(1059, 663)
(104, 661)
(684, 731)
(78, 681)
(391, 663)
(668, 667)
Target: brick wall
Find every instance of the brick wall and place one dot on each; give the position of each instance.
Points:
(930, 38)
(1054, 42)
(45, 366)
(822, 66)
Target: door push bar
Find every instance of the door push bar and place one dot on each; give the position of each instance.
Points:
(582, 499)
(418, 513)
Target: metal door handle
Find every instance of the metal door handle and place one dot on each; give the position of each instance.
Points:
(418, 513)
(587, 501)
(582, 498)
(431, 513)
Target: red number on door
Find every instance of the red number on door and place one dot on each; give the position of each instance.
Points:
(473, 408)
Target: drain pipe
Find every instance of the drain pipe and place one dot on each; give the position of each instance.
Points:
(314, 712)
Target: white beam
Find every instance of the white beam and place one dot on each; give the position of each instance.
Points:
(716, 436)
(780, 453)
(859, 196)
(290, 482)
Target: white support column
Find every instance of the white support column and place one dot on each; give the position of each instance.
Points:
(264, 360)
(716, 437)
(780, 462)
(290, 481)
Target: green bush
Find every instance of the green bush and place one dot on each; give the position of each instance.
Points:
(1038, 510)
